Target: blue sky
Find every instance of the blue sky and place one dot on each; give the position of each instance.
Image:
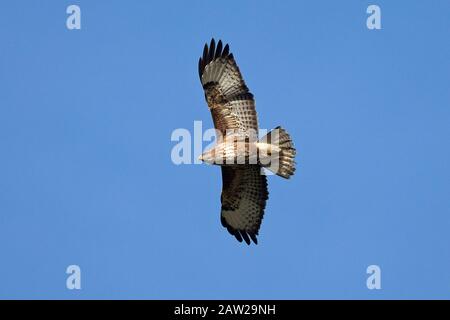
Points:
(86, 176)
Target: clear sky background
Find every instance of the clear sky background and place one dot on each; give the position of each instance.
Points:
(86, 176)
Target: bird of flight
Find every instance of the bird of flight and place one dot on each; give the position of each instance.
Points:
(238, 151)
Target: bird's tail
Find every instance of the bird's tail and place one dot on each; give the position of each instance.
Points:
(281, 152)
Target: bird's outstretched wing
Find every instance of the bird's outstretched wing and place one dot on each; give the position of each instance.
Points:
(244, 196)
(231, 103)
(232, 106)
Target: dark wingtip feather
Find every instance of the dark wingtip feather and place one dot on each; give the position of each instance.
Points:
(226, 51)
(205, 53)
(211, 53)
(223, 222)
(240, 235)
(237, 235)
(200, 68)
(245, 236)
(253, 236)
(218, 50)
(212, 50)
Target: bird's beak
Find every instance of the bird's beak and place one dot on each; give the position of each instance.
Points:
(200, 157)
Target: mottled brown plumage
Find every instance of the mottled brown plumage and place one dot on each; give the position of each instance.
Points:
(232, 106)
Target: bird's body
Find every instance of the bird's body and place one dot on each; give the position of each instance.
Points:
(238, 151)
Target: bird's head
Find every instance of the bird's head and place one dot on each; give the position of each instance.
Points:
(208, 157)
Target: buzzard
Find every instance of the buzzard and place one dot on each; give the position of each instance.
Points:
(238, 151)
